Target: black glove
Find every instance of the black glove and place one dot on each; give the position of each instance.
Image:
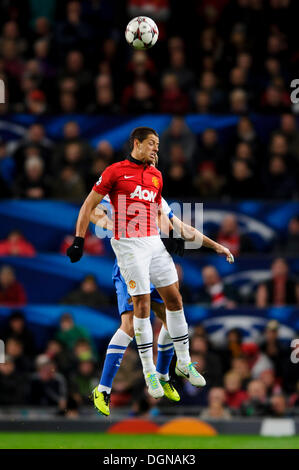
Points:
(174, 246)
(75, 251)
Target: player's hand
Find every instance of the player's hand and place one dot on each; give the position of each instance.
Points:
(222, 250)
(75, 251)
(174, 246)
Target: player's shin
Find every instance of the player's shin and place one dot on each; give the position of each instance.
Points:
(178, 331)
(144, 339)
(115, 352)
(165, 354)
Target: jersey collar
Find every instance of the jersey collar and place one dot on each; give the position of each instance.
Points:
(134, 160)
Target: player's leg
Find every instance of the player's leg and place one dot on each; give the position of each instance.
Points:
(164, 277)
(117, 345)
(144, 340)
(165, 350)
(134, 257)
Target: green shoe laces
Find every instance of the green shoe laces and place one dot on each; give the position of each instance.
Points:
(192, 369)
(154, 381)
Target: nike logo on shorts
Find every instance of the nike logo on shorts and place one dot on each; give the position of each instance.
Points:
(126, 177)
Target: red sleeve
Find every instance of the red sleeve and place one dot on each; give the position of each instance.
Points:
(105, 182)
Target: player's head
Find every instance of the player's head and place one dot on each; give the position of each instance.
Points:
(144, 144)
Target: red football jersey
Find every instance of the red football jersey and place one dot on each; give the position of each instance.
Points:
(135, 191)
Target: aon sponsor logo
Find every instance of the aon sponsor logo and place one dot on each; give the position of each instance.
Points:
(144, 194)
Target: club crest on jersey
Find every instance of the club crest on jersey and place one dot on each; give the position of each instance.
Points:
(132, 284)
(155, 182)
(144, 194)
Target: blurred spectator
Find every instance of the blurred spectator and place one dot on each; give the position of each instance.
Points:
(232, 348)
(12, 384)
(14, 347)
(238, 102)
(177, 133)
(231, 237)
(11, 291)
(184, 75)
(185, 291)
(275, 100)
(209, 149)
(87, 294)
(83, 381)
(17, 328)
(281, 289)
(62, 357)
(234, 395)
(177, 180)
(173, 100)
(69, 333)
(34, 184)
(214, 292)
(216, 409)
(278, 406)
(213, 368)
(207, 182)
(46, 387)
(35, 138)
(7, 164)
(258, 361)
(16, 245)
(294, 398)
(279, 181)
(142, 99)
(242, 183)
(273, 347)
(73, 32)
(69, 185)
(272, 384)
(240, 365)
(290, 245)
(257, 404)
(288, 128)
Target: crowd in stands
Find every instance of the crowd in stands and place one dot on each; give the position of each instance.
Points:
(36, 168)
(71, 57)
(250, 379)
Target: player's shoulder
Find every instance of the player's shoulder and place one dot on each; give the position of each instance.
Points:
(156, 172)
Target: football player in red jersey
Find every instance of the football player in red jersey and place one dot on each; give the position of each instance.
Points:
(134, 187)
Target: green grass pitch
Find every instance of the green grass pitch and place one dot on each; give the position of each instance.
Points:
(48, 440)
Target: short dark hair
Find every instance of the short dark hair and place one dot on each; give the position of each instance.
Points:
(141, 134)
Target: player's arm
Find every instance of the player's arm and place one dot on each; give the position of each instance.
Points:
(100, 218)
(75, 251)
(191, 234)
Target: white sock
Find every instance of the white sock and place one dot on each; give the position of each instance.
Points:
(144, 339)
(178, 330)
(165, 348)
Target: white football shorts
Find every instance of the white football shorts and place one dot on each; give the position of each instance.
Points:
(142, 261)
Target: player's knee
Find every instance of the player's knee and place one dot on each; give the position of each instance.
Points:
(175, 302)
(142, 308)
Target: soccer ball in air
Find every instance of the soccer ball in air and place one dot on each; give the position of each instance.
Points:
(141, 32)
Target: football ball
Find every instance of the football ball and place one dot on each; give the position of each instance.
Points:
(141, 33)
